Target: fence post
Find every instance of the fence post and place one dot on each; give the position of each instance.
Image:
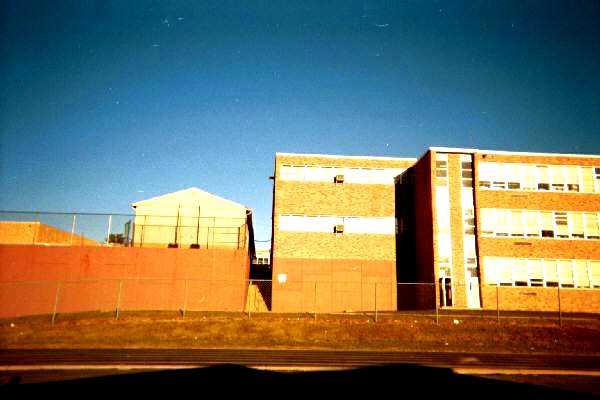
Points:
(315, 301)
(375, 301)
(559, 309)
(250, 302)
(185, 298)
(119, 299)
(73, 227)
(437, 303)
(56, 302)
(497, 303)
(108, 232)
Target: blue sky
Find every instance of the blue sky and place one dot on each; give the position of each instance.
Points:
(103, 103)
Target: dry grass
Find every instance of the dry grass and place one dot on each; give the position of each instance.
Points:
(392, 332)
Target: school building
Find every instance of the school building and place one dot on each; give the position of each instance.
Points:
(513, 230)
(333, 242)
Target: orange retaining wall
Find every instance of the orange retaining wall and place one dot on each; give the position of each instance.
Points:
(90, 279)
(341, 285)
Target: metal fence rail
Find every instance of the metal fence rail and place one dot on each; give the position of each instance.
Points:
(121, 230)
(256, 296)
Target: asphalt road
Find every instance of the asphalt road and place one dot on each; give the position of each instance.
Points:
(12, 359)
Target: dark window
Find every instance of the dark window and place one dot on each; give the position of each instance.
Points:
(543, 186)
(514, 185)
(547, 233)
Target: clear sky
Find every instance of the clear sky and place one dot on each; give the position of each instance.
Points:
(103, 103)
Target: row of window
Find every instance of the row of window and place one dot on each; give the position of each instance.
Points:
(557, 178)
(540, 224)
(506, 271)
(313, 173)
(337, 224)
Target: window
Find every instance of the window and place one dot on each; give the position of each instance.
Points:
(587, 175)
(487, 221)
(543, 177)
(513, 175)
(529, 177)
(566, 273)
(532, 223)
(441, 169)
(572, 178)
(516, 221)
(469, 221)
(485, 174)
(562, 224)
(536, 272)
(547, 224)
(580, 271)
(591, 226)
(503, 222)
(520, 275)
(466, 171)
(595, 273)
(551, 272)
(558, 178)
(577, 228)
(504, 271)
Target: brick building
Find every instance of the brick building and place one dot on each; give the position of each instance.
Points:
(517, 231)
(333, 242)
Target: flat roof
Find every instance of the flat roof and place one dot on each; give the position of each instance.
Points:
(341, 156)
(520, 153)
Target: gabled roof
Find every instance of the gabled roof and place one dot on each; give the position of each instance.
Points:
(192, 194)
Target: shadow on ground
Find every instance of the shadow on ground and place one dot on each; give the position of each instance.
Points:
(396, 381)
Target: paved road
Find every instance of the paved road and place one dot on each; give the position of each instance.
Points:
(291, 358)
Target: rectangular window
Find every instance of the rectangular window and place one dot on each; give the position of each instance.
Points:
(587, 175)
(582, 279)
(513, 176)
(529, 177)
(551, 272)
(572, 178)
(566, 273)
(591, 226)
(516, 221)
(485, 174)
(595, 273)
(491, 270)
(597, 178)
(498, 176)
(487, 221)
(504, 271)
(466, 172)
(532, 223)
(562, 224)
(558, 178)
(441, 169)
(577, 228)
(469, 221)
(520, 275)
(547, 224)
(502, 222)
(536, 272)
(543, 177)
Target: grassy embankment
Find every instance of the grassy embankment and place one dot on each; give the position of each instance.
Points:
(391, 332)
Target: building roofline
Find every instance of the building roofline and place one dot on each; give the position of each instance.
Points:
(517, 153)
(342, 156)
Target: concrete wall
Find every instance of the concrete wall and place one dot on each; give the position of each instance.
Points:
(153, 279)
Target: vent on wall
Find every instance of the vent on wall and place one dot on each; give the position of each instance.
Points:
(339, 179)
(338, 229)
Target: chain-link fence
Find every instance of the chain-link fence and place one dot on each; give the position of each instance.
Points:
(124, 230)
(379, 301)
